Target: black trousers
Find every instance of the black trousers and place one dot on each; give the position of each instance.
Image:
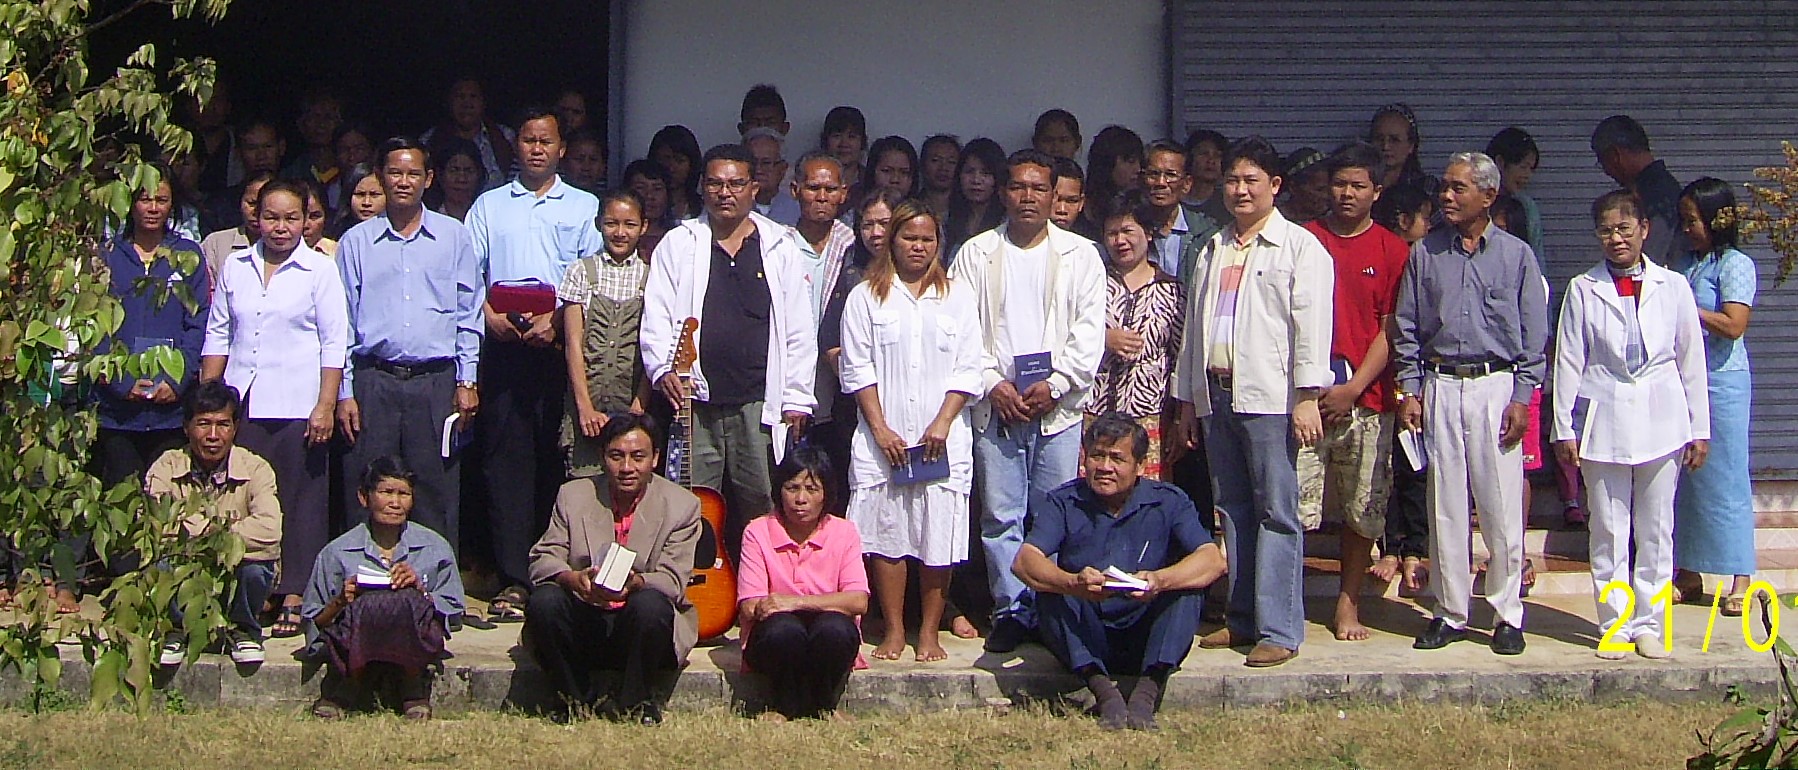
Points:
(807, 656)
(572, 640)
(1407, 511)
(403, 417)
(520, 462)
(303, 485)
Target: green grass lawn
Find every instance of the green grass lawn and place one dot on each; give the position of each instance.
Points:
(1520, 735)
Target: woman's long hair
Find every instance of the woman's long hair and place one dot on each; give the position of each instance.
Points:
(960, 223)
(883, 270)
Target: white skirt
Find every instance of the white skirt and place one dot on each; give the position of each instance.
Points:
(928, 522)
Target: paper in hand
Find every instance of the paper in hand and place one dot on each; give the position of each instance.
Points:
(1119, 580)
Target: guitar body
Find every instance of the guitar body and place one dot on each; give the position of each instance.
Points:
(712, 588)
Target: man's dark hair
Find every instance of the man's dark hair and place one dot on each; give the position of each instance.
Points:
(244, 128)
(734, 153)
(1256, 150)
(208, 397)
(1620, 132)
(1050, 118)
(1716, 204)
(383, 468)
(1111, 427)
(1511, 145)
(586, 135)
(1405, 198)
(540, 112)
(399, 143)
(1359, 155)
(1167, 146)
(762, 95)
(1030, 156)
(649, 169)
(1206, 136)
(1068, 168)
(802, 460)
(620, 423)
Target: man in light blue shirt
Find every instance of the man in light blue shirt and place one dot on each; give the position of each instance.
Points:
(528, 231)
(414, 292)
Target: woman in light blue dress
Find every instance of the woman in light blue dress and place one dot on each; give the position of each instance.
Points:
(1713, 530)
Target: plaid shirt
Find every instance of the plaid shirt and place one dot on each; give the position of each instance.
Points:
(616, 280)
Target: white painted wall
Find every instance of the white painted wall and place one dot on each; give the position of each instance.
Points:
(967, 67)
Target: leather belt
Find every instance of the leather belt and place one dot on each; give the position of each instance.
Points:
(1480, 369)
(407, 371)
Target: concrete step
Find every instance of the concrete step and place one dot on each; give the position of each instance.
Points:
(1555, 576)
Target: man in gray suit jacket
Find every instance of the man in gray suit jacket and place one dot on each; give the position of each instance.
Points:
(646, 628)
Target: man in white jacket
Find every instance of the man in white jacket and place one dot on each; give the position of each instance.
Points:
(1041, 291)
(742, 276)
(1255, 359)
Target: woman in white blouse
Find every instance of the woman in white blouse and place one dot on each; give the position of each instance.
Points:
(911, 350)
(277, 333)
(1630, 407)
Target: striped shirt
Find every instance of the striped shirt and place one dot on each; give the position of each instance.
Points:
(1223, 337)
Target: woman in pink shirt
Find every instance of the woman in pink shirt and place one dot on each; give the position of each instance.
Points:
(801, 591)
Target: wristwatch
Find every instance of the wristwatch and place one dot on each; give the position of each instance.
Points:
(469, 384)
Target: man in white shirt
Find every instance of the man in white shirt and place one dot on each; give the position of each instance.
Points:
(1255, 359)
(742, 275)
(1041, 291)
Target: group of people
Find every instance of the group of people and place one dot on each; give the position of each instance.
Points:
(878, 356)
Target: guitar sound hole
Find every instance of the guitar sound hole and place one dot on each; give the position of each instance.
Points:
(705, 552)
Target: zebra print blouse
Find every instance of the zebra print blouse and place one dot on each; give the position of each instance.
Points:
(1157, 311)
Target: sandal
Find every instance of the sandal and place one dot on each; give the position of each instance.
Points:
(508, 606)
(1529, 576)
(1731, 606)
(287, 624)
(326, 709)
(417, 710)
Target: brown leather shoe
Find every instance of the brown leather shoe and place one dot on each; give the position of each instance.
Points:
(1221, 639)
(1267, 655)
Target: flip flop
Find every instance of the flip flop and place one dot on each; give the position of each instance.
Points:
(508, 606)
(287, 624)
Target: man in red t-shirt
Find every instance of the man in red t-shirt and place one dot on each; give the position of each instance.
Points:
(1346, 476)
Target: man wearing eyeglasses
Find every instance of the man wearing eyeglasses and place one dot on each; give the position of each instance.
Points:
(767, 146)
(415, 293)
(1471, 330)
(1183, 231)
(743, 276)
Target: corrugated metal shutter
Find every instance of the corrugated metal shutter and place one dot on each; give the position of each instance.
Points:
(1711, 81)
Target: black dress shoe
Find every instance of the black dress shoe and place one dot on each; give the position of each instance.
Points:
(1006, 635)
(1507, 639)
(1439, 635)
(649, 715)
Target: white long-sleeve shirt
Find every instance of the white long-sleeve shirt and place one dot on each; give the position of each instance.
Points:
(914, 351)
(280, 335)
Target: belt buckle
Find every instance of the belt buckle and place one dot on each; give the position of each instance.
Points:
(1224, 381)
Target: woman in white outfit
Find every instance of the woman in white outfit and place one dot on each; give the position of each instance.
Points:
(1630, 407)
(911, 350)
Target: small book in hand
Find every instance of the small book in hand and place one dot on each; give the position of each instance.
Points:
(1119, 580)
(370, 577)
(615, 569)
(142, 345)
(1031, 369)
(918, 470)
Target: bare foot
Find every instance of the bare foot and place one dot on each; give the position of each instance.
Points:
(839, 715)
(929, 649)
(1385, 569)
(1416, 575)
(771, 716)
(963, 628)
(890, 647)
(67, 603)
(5, 598)
(1347, 625)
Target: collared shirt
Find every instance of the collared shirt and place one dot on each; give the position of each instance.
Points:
(915, 351)
(616, 280)
(1461, 307)
(1169, 247)
(427, 552)
(823, 269)
(1718, 279)
(1659, 191)
(483, 142)
(829, 561)
(782, 208)
(154, 315)
(416, 299)
(738, 307)
(1157, 527)
(279, 336)
(1157, 311)
(519, 235)
(217, 247)
(240, 494)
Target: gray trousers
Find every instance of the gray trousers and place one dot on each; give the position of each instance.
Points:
(1254, 468)
(403, 417)
(732, 454)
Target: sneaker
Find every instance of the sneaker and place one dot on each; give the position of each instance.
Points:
(245, 649)
(174, 651)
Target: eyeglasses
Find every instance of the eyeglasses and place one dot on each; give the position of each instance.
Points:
(722, 185)
(1153, 175)
(1625, 230)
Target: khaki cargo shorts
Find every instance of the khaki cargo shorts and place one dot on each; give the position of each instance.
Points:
(1347, 476)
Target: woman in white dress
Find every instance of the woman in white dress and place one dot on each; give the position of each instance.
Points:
(911, 355)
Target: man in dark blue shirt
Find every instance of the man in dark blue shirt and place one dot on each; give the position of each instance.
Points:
(1112, 520)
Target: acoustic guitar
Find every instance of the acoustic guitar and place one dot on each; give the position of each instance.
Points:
(712, 589)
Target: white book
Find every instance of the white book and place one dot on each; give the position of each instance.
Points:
(612, 571)
(1119, 580)
(1416, 451)
(369, 577)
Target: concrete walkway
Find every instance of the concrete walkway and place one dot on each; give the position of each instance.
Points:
(490, 671)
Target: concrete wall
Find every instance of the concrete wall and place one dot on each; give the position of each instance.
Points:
(973, 69)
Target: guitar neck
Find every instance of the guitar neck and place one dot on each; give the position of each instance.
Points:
(683, 420)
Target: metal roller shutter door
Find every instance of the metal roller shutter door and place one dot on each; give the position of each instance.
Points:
(1711, 82)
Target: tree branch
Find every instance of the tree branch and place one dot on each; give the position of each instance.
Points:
(116, 16)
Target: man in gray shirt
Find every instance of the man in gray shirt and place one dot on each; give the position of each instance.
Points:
(1471, 331)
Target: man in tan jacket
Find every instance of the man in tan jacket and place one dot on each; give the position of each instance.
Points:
(239, 490)
(646, 628)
